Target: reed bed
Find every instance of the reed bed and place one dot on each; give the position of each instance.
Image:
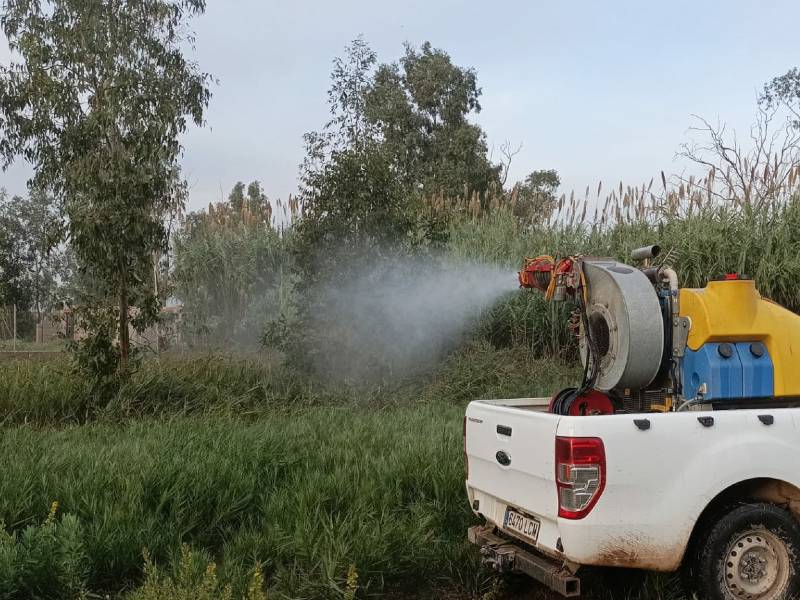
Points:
(704, 234)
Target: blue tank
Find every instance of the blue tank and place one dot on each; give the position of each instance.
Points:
(728, 371)
(757, 372)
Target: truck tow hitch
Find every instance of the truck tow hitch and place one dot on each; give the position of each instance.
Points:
(505, 557)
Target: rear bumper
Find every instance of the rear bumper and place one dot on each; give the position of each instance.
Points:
(505, 556)
(602, 539)
(493, 509)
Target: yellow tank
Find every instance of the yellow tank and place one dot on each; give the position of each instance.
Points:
(734, 311)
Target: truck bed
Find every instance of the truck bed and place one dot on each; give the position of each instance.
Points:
(533, 404)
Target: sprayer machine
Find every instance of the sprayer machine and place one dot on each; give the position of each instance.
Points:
(647, 345)
(664, 476)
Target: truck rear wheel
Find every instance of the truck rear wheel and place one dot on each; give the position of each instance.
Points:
(747, 553)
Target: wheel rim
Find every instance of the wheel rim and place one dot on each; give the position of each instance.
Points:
(757, 566)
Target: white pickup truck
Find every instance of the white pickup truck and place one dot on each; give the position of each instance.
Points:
(715, 493)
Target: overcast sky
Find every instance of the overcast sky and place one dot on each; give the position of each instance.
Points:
(596, 90)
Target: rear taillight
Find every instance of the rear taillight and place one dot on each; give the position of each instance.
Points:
(580, 475)
(466, 459)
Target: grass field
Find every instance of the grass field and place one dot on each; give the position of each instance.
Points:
(307, 494)
(247, 464)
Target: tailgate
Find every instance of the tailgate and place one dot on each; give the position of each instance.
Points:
(523, 438)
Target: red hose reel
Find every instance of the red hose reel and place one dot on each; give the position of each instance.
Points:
(592, 403)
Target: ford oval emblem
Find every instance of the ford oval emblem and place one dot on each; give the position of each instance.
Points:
(503, 458)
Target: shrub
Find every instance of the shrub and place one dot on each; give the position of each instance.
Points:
(195, 578)
(44, 561)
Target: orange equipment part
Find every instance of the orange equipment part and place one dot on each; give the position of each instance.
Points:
(541, 273)
(536, 273)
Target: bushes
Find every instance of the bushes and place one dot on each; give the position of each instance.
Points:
(526, 319)
(195, 579)
(51, 394)
(44, 561)
(481, 371)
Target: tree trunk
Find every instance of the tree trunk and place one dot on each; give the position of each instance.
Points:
(39, 328)
(124, 333)
(155, 294)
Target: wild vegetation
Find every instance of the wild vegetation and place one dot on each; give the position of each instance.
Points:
(249, 464)
(237, 467)
(226, 469)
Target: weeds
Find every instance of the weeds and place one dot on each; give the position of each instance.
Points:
(50, 394)
(308, 496)
(47, 560)
(195, 579)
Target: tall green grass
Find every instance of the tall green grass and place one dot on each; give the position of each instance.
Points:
(308, 495)
(335, 483)
(706, 242)
(247, 462)
(703, 243)
(52, 394)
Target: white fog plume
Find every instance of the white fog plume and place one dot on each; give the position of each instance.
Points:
(399, 320)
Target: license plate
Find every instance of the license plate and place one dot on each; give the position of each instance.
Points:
(522, 525)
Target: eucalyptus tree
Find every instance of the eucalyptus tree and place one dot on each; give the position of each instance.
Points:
(421, 109)
(96, 97)
(398, 132)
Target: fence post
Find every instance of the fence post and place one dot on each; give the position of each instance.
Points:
(14, 343)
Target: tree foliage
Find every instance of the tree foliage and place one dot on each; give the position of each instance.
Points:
(14, 285)
(97, 102)
(536, 196)
(784, 90)
(32, 255)
(420, 107)
(355, 207)
(398, 132)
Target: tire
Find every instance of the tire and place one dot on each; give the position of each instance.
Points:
(746, 553)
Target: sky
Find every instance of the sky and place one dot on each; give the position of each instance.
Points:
(599, 91)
